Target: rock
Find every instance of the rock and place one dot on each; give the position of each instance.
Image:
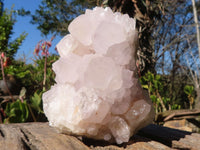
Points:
(183, 124)
(36, 136)
(40, 136)
(183, 119)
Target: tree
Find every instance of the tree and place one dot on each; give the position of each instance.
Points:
(177, 48)
(1, 7)
(54, 16)
(170, 45)
(7, 21)
(196, 24)
(195, 75)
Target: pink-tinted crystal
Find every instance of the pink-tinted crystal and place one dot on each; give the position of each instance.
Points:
(97, 93)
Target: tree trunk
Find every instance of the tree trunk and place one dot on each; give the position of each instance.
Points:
(196, 24)
(197, 101)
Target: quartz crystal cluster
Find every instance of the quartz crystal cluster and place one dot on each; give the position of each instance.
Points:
(97, 93)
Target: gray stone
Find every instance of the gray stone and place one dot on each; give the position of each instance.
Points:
(40, 136)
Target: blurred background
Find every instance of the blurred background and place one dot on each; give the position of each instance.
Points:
(168, 56)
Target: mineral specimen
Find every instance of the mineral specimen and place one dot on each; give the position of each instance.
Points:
(97, 93)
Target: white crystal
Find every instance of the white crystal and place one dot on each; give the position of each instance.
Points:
(62, 67)
(70, 45)
(99, 69)
(103, 40)
(96, 93)
(121, 57)
(119, 129)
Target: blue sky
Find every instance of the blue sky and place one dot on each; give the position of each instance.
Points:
(23, 25)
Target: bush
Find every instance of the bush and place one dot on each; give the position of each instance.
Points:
(28, 107)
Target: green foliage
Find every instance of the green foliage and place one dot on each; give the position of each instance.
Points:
(189, 90)
(38, 72)
(18, 69)
(153, 82)
(175, 106)
(54, 16)
(30, 77)
(1, 7)
(23, 74)
(155, 86)
(23, 12)
(36, 102)
(16, 112)
(7, 21)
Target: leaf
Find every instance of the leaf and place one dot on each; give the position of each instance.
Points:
(36, 102)
(158, 77)
(150, 76)
(23, 74)
(188, 89)
(145, 86)
(153, 98)
(165, 99)
(155, 84)
(17, 112)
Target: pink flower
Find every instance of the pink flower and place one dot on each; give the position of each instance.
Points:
(2, 55)
(7, 62)
(44, 47)
(48, 44)
(37, 49)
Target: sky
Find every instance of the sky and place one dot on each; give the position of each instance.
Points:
(23, 25)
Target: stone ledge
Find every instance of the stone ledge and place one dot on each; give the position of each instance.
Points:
(40, 136)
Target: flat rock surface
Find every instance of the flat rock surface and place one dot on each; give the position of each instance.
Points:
(40, 136)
